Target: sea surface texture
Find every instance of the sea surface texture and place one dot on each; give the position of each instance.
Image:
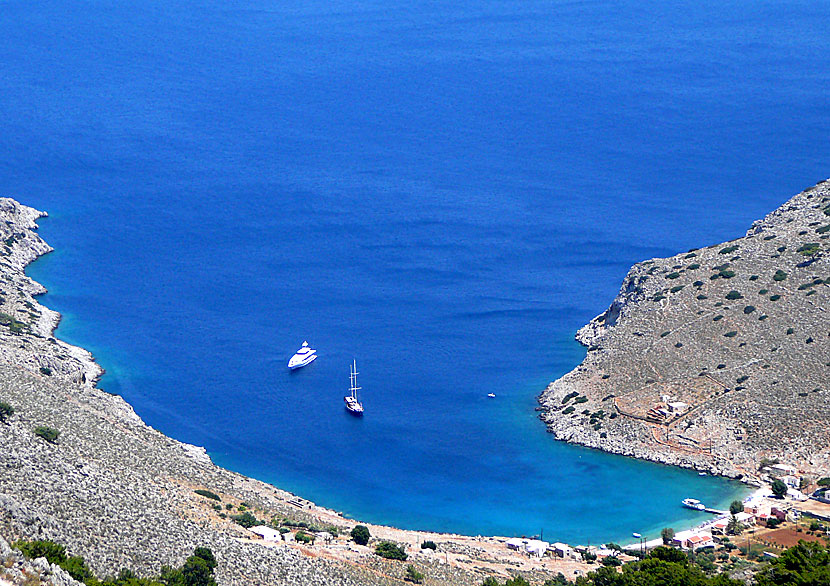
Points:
(443, 191)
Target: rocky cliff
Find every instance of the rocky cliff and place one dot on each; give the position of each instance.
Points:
(713, 358)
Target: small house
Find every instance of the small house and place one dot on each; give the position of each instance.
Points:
(790, 480)
(779, 470)
(536, 547)
(266, 533)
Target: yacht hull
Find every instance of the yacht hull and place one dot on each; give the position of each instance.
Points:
(304, 362)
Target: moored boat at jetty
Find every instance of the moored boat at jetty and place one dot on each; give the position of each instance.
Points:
(694, 504)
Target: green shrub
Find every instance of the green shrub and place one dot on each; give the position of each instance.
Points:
(790, 331)
(702, 297)
(246, 519)
(429, 545)
(726, 274)
(779, 275)
(753, 278)
(390, 551)
(809, 249)
(303, 537)
(569, 396)
(47, 433)
(732, 295)
(45, 370)
(813, 292)
(6, 411)
(676, 288)
(360, 534)
(741, 379)
(55, 553)
(579, 400)
(413, 575)
(672, 275)
(717, 317)
(749, 309)
(823, 229)
(658, 297)
(728, 249)
(207, 493)
(731, 334)
(694, 266)
(774, 297)
(568, 410)
(763, 291)
(664, 334)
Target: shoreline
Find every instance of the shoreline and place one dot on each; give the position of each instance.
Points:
(639, 346)
(88, 372)
(201, 452)
(61, 378)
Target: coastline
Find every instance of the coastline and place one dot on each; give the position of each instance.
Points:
(88, 372)
(665, 338)
(109, 470)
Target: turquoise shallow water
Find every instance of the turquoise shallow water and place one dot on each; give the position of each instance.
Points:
(443, 191)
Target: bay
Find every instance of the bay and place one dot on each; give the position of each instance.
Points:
(443, 191)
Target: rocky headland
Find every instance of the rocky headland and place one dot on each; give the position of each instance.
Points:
(122, 495)
(715, 358)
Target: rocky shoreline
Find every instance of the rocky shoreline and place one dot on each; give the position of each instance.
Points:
(716, 330)
(715, 358)
(122, 495)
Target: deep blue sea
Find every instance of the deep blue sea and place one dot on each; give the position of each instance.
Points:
(443, 190)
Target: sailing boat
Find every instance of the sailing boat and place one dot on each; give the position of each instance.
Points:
(352, 404)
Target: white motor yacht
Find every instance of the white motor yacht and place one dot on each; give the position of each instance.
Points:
(303, 357)
(693, 504)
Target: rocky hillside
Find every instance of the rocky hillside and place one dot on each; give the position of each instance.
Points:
(714, 358)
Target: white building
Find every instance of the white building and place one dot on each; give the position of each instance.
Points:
(564, 550)
(536, 548)
(790, 480)
(692, 539)
(782, 470)
(266, 533)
